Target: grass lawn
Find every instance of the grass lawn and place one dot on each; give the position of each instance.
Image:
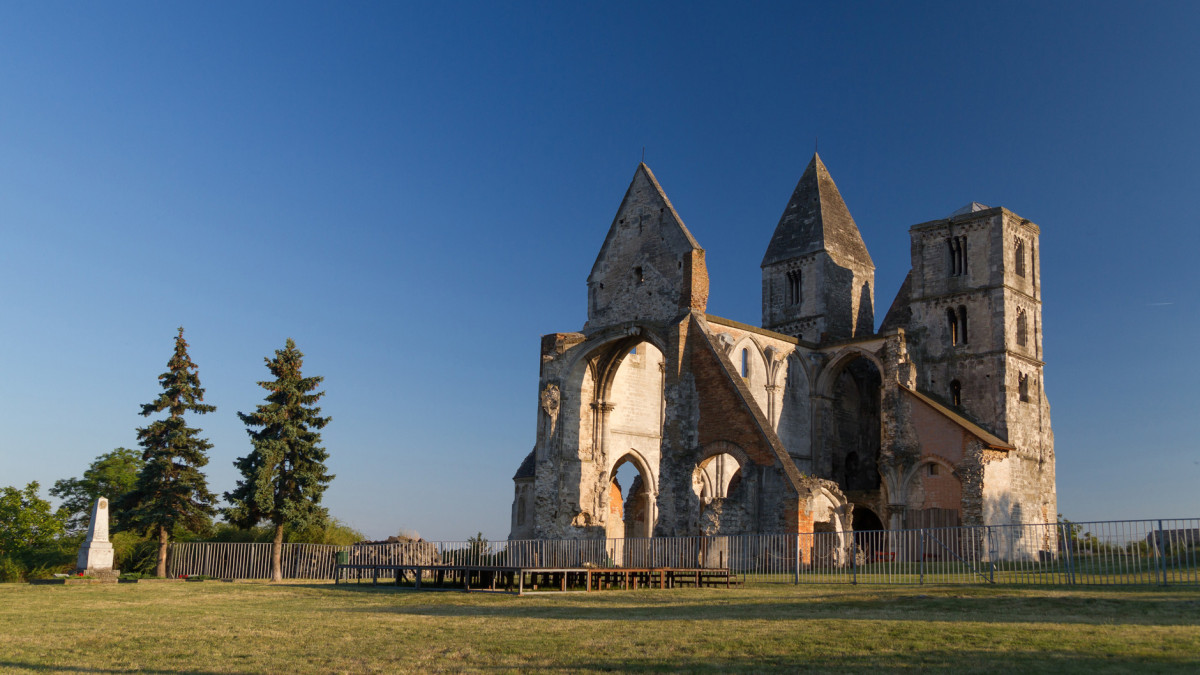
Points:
(216, 627)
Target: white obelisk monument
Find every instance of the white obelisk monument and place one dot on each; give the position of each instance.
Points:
(96, 554)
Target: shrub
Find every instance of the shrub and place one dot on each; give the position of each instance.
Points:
(11, 571)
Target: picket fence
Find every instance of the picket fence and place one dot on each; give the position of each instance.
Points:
(1131, 552)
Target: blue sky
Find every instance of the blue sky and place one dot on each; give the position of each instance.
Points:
(415, 192)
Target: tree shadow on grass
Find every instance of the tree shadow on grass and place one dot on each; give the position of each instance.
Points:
(946, 660)
(41, 667)
(658, 606)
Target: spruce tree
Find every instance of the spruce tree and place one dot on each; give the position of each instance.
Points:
(171, 491)
(284, 475)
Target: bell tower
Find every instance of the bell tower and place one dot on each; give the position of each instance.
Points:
(818, 279)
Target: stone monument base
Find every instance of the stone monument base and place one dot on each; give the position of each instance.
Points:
(108, 575)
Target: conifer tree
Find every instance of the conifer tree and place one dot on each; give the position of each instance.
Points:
(285, 475)
(171, 490)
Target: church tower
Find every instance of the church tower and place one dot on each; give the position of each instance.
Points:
(818, 279)
(976, 304)
(975, 332)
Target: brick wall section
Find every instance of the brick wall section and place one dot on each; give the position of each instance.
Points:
(724, 415)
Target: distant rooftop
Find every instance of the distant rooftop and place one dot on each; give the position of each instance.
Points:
(970, 208)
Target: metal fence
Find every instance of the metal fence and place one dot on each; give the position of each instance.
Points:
(1134, 552)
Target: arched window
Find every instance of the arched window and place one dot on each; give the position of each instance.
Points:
(794, 287)
(962, 324)
(956, 392)
(957, 247)
(745, 362)
(952, 325)
(1023, 387)
(1022, 328)
(1019, 257)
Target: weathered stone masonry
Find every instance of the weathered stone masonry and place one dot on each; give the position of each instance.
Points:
(815, 423)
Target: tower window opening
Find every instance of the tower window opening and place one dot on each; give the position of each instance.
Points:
(1022, 328)
(745, 363)
(956, 393)
(933, 469)
(794, 287)
(952, 324)
(957, 247)
(1019, 257)
(1023, 387)
(962, 324)
(637, 275)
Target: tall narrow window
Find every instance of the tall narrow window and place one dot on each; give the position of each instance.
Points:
(962, 324)
(637, 275)
(957, 248)
(745, 363)
(952, 325)
(955, 393)
(1023, 387)
(1022, 328)
(1019, 257)
(794, 287)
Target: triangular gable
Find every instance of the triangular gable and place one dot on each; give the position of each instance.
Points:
(727, 408)
(817, 219)
(645, 191)
(650, 266)
(989, 439)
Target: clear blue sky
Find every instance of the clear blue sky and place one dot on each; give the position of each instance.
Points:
(415, 192)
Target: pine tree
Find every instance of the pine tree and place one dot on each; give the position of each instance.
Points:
(285, 474)
(171, 490)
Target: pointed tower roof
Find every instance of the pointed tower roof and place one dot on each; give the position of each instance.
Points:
(816, 219)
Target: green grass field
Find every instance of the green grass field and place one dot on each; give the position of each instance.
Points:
(216, 627)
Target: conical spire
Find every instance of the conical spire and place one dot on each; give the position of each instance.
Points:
(816, 219)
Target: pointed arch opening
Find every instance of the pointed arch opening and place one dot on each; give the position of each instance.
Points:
(631, 499)
(612, 405)
(851, 452)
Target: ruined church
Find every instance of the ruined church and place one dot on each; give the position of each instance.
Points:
(814, 422)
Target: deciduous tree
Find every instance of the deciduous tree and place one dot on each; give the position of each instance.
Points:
(26, 520)
(284, 475)
(111, 475)
(171, 490)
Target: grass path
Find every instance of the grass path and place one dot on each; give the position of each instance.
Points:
(216, 627)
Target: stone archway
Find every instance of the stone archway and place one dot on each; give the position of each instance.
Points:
(725, 492)
(612, 404)
(851, 388)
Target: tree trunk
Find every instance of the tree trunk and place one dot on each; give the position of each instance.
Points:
(163, 539)
(277, 554)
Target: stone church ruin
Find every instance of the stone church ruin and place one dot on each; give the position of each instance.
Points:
(815, 422)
